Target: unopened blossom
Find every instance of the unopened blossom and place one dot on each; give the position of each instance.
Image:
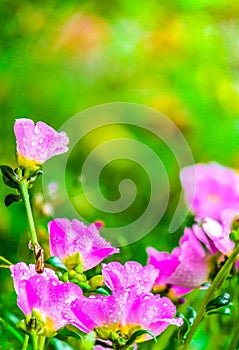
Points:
(123, 313)
(37, 143)
(131, 274)
(44, 294)
(216, 235)
(210, 189)
(75, 243)
(185, 268)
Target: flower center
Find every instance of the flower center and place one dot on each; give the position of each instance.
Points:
(118, 334)
(213, 198)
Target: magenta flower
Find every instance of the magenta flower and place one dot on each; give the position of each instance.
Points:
(166, 264)
(131, 274)
(37, 143)
(210, 188)
(186, 267)
(75, 243)
(217, 235)
(123, 313)
(44, 293)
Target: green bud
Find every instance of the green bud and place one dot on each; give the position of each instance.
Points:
(79, 268)
(65, 277)
(73, 261)
(96, 281)
(121, 341)
(22, 325)
(103, 332)
(235, 223)
(114, 336)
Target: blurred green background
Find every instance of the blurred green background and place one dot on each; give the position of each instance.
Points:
(61, 57)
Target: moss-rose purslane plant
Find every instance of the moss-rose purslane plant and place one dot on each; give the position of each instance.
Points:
(138, 301)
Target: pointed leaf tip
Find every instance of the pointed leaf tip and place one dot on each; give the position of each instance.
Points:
(56, 262)
(12, 198)
(138, 334)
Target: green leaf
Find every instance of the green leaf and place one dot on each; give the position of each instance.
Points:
(8, 172)
(83, 285)
(206, 284)
(138, 334)
(222, 300)
(10, 183)
(56, 262)
(191, 315)
(188, 318)
(34, 177)
(9, 177)
(225, 310)
(12, 198)
(102, 291)
(88, 341)
(64, 333)
(103, 344)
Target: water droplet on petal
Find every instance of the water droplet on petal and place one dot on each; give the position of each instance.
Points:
(37, 130)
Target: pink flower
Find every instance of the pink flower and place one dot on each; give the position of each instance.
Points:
(210, 188)
(166, 264)
(67, 238)
(185, 268)
(131, 274)
(37, 143)
(45, 294)
(123, 313)
(218, 235)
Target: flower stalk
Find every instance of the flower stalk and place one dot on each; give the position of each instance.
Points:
(34, 341)
(41, 342)
(23, 185)
(38, 251)
(24, 345)
(217, 283)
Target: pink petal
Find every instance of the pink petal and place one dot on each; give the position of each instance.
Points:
(39, 142)
(210, 188)
(132, 274)
(45, 293)
(124, 308)
(69, 237)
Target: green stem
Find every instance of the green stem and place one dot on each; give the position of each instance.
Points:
(23, 185)
(5, 260)
(220, 277)
(41, 342)
(24, 345)
(34, 341)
